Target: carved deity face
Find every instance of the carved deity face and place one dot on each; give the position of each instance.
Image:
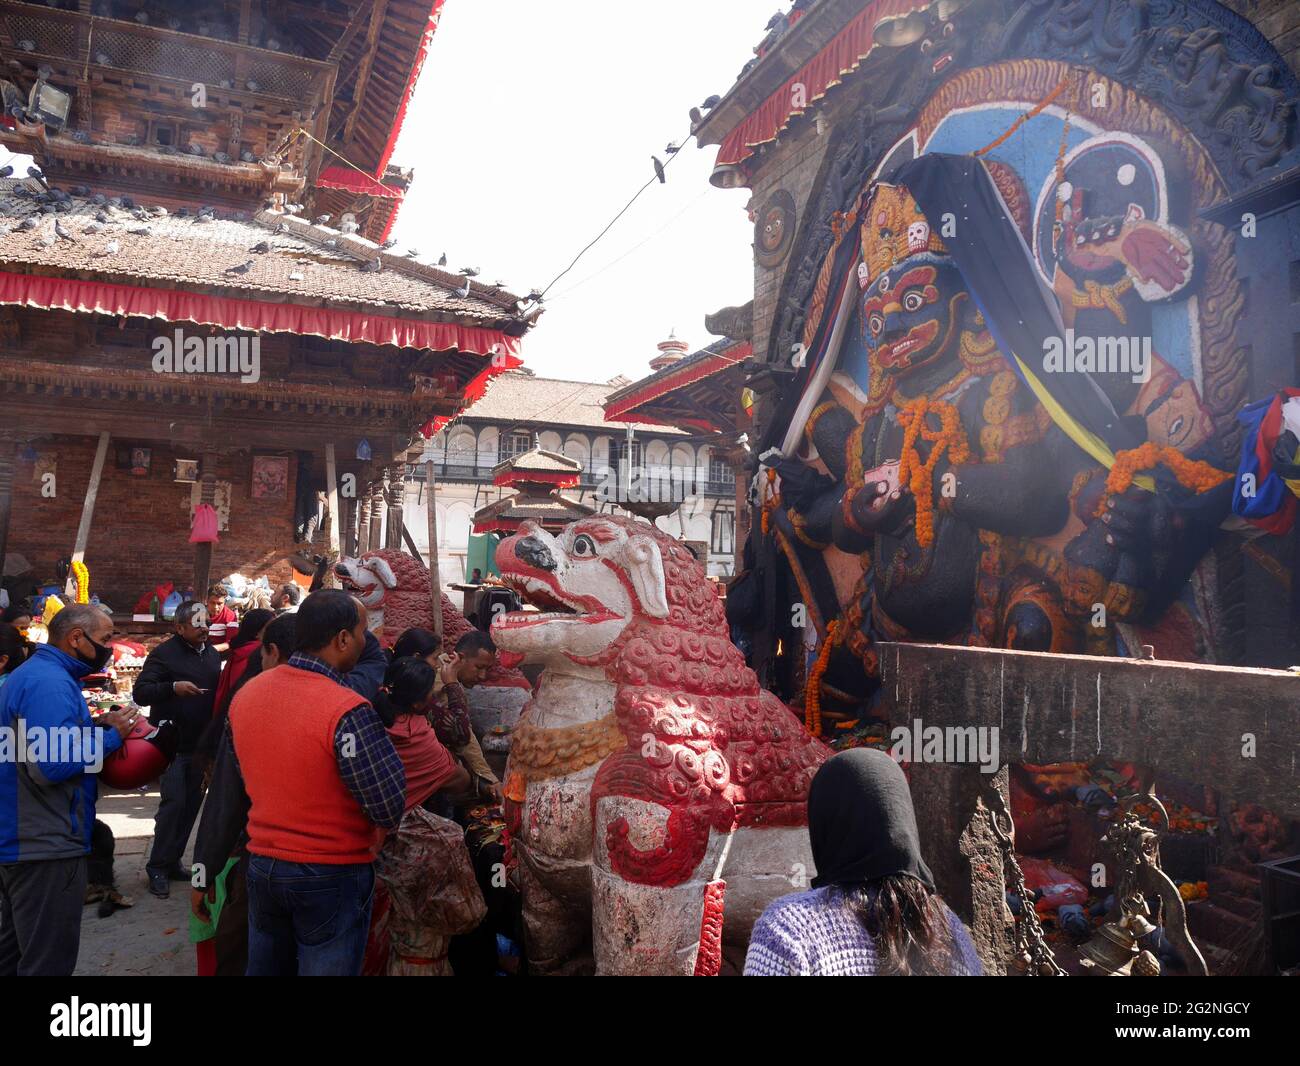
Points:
(773, 233)
(909, 314)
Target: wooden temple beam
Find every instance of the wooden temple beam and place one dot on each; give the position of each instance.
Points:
(349, 33)
(1233, 728)
(49, 416)
(367, 65)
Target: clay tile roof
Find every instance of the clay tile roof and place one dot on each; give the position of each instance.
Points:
(523, 400)
(554, 508)
(181, 252)
(539, 461)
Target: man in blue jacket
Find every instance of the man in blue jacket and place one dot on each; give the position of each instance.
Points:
(50, 750)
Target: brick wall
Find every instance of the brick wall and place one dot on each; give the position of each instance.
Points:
(139, 536)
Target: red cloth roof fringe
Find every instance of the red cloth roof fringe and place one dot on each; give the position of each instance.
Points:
(510, 478)
(474, 390)
(72, 294)
(841, 56)
(354, 181)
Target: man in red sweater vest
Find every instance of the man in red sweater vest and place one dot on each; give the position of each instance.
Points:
(324, 781)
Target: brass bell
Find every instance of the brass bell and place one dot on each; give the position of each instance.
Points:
(1110, 951)
(1138, 925)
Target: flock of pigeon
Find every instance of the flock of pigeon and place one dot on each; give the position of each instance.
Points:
(123, 215)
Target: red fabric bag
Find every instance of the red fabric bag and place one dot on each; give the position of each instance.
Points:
(203, 529)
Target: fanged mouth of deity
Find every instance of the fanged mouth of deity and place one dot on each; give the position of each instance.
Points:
(553, 603)
(900, 351)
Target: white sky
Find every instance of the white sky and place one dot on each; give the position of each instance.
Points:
(533, 124)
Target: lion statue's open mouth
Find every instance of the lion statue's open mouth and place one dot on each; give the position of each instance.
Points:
(585, 585)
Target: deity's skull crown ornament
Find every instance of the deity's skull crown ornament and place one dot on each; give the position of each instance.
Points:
(893, 229)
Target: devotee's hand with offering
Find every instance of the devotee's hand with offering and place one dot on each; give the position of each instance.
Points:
(450, 665)
(187, 688)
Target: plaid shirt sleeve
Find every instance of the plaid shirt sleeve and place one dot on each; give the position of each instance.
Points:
(369, 766)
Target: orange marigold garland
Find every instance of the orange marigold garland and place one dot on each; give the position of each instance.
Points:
(771, 503)
(1191, 473)
(812, 696)
(918, 476)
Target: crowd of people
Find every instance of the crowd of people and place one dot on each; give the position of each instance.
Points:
(334, 781)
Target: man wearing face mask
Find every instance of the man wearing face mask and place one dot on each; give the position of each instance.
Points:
(178, 684)
(48, 792)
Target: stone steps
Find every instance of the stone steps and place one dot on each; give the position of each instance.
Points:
(1210, 923)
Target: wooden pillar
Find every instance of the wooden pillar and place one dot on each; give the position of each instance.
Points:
(375, 535)
(8, 453)
(88, 510)
(203, 552)
(361, 540)
(349, 545)
(740, 534)
(435, 578)
(394, 491)
(332, 497)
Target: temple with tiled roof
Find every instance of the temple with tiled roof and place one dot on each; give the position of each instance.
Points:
(538, 477)
(196, 301)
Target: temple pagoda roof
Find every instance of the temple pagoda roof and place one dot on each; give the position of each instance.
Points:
(697, 392)
(550, 511)
(537, 466)
(301, 263)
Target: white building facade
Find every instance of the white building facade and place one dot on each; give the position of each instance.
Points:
(658, 462)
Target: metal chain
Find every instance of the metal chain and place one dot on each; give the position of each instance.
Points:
(1033, 955)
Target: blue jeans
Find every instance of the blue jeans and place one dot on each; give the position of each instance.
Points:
(309, 919)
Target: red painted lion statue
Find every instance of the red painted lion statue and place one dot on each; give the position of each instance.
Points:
(650, 766)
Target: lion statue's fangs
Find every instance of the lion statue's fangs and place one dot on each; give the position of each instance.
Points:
(650, 767)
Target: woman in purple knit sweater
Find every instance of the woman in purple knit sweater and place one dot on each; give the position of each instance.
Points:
(873, 909)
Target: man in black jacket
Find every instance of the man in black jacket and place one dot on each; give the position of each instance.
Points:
(178, 684)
